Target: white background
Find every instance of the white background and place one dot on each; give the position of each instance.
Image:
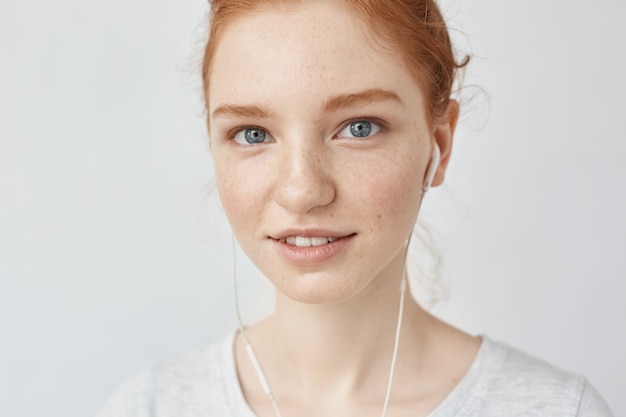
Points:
(113, 253)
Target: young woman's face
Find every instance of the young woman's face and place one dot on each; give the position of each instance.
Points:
(320, 143)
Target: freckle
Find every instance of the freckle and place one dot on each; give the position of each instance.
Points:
(378, 216)
(332, 215)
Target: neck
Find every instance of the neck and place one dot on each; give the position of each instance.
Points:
(342, 352)
(341, 348)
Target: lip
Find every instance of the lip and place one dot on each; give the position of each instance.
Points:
(310, 233)
(311, 255)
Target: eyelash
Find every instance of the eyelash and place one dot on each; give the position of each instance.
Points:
(384, 126)
(234, 132)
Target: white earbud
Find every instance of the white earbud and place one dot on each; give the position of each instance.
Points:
(432, 168)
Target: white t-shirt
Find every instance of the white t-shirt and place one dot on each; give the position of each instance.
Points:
(502, 382)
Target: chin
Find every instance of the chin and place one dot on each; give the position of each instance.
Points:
(319, 289)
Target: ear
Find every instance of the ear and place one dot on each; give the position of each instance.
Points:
(443, 133)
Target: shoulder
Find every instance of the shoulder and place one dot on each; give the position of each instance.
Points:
(184, 386)
(514, 383)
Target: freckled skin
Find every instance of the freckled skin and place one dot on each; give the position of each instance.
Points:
(306, 177)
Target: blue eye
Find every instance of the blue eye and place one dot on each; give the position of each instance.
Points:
(251, 136)
(359, 129)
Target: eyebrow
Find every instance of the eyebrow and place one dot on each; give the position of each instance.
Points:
(361, 98)
(231, 110)
(342, 101)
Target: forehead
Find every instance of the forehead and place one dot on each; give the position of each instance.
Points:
(310, 50)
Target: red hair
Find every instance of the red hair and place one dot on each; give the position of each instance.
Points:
(415, 27)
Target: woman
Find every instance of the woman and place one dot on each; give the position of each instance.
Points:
(328, 122)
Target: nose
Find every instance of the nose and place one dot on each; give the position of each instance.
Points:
(304, 178)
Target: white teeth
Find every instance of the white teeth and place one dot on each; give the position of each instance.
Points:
(301, 241)
(317, 241)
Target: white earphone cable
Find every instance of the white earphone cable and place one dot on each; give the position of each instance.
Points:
(249, 350)
(396, 343)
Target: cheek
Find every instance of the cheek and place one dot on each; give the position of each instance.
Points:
(242, 192)
(392, 191)
(233, 192)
